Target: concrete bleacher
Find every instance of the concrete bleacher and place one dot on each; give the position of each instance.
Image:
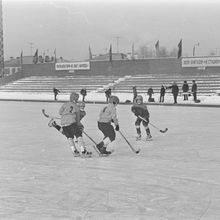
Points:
(207, 84)
(67, 84)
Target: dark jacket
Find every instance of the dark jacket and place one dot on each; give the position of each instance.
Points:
(162, 90)
(150, 91)
(185, 87)
(108, 92)
(83, 92)
(56, 91)
(174, 88)
(194, 87)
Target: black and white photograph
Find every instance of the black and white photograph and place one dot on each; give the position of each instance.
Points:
(109, 110)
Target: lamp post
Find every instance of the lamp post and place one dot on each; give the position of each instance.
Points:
(194, 49)
(117, 42)
(31, 47)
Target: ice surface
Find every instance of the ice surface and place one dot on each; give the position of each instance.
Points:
(176, 176)
(95, 96)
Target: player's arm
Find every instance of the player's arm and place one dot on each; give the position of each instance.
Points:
(62, 109)
(134, 110)
(115, 119)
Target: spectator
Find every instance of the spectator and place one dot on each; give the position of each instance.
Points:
(185, 89)
(150, 93)
(55, 91)
(175, 90)
(108, 94)
(162, 93)
(83, 92)
(134, 93)
(194, 90)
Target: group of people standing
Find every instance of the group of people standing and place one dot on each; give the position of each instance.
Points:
(186, 91)
(174, 90)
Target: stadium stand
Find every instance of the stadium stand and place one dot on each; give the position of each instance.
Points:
(41, 84)
(207, 84)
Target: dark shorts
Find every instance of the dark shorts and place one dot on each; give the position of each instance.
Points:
(72, 130)
(138, 122)
(107, 129)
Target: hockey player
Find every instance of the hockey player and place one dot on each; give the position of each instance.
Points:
(70, 122)
(140, 109)
(107, 115)
(53, 123)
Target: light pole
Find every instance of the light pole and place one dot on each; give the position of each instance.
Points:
(31, 47)
(194, 49)
(117, 39)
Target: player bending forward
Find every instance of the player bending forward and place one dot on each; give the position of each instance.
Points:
(71, 126)
(140, 109)
(107, 115)
(53, 123)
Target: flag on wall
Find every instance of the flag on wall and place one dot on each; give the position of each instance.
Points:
(90, 53)
(35, 57)
(55, 55)
(179, 54)
(110, 53)
(157, 47)
(132, 51)
(21, 58)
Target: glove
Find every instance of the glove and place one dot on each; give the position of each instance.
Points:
(117, 127)
(135, 113)
(81, 127)
(147, 120)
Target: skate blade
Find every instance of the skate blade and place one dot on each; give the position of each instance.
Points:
(149, 139)
(106, 155)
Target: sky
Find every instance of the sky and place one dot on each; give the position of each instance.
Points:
(71, 26)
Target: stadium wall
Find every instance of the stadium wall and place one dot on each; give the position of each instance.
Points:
(120, 68)
(117, 67)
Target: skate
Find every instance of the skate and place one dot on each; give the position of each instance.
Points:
(76, 153)
(52, 123)
(149, 137)
(100, 147)
(86, 154)
(138, 137)
(104, 151)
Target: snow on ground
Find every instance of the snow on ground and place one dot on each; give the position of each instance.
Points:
(175, 176)
(213, 99)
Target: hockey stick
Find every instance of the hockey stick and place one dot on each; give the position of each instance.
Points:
(162, 131)
(97, 151)
(48, 116)
(135, 151)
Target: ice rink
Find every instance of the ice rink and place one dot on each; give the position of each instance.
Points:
(174, 177)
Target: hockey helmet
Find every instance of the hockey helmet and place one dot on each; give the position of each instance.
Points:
(139, 97)
(81, 105)
(74, 97)
(114, 100)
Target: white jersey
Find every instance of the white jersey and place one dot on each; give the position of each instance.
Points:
(69, 112)
(108, 114)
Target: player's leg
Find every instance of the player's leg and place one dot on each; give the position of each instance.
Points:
(109, 136)
(78, 133)
(138, 129)
(52, 123)
(147, 129)
(68, 132)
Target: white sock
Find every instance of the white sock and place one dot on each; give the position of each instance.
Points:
(106, 141)
(81, 144)
(72, 144)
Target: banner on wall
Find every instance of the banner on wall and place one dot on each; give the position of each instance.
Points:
(200, 61)
(73, 66)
